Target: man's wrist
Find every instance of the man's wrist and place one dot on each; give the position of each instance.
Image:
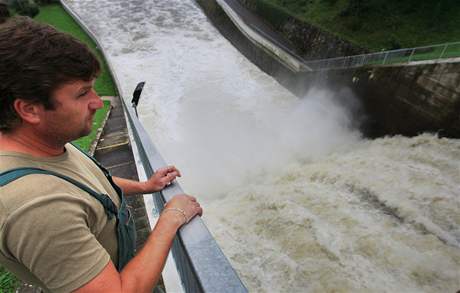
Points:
(177, 210)
(143, 187)
(172, 217)
(147, 188)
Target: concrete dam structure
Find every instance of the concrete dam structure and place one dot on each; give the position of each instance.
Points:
(408, 99)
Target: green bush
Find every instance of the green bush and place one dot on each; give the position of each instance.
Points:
(373, 24)
(330, 2)
(272, 13)
(356, 8)
(25, 7)
(4, 12)
(45, 2)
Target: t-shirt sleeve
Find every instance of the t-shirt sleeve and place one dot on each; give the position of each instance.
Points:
(53, 240)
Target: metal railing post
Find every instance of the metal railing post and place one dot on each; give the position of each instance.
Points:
(362, 59)
(385, 58)
(443, 51)
(344, 62)
(411, 53)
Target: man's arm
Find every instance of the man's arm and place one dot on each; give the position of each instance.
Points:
(157, 182)
(143, 271)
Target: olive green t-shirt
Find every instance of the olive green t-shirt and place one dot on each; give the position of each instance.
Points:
(52, 233)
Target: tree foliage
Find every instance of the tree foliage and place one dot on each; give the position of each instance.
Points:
(433, 9)
(25, 7)
(4, 12)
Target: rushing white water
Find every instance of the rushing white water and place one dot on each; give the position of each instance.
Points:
(296, 198)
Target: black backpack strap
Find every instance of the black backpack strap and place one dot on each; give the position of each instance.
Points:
(13, 174)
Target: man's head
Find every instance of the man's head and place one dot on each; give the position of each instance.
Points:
(35, 61)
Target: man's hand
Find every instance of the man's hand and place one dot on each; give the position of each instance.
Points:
(162, 178)
(184, 206)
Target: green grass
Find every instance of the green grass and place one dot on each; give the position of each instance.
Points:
(379, 24)
(55, 15)
(8, 282)
(85, 142)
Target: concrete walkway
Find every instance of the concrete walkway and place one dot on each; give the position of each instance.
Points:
(114, 152)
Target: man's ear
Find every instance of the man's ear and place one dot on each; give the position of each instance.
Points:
(28, 111)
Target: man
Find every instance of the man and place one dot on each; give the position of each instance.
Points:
(66, 228)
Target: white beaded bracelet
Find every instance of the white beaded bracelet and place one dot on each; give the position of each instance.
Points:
(177, 210)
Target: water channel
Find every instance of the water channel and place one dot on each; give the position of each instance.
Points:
(298, 200)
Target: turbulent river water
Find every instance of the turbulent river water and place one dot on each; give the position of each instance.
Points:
(297, 199)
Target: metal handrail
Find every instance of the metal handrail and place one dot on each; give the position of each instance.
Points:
(201, 264)
(399, 56)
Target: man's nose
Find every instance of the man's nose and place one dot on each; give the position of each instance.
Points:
(96, 101)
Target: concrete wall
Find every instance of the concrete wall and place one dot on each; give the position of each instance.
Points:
(394, 99)
(257, 55)
(310, 41)
(406, 99)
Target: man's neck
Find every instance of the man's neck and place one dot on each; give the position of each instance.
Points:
(28, 142)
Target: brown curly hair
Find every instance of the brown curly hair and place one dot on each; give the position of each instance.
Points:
(35, 59)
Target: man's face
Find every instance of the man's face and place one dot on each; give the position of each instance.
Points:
(74, 106)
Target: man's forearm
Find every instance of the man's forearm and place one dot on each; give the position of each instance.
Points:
(130, 187)
(144, 270)
(159, 180)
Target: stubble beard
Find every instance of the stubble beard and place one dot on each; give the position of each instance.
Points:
(60, 136)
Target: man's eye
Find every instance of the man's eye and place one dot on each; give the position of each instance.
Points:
(83, 94)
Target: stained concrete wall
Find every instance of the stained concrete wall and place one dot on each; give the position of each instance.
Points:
(397, 99)
(406, 99)
(310, 41)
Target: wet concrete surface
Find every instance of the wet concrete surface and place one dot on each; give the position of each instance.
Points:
(261, 26)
